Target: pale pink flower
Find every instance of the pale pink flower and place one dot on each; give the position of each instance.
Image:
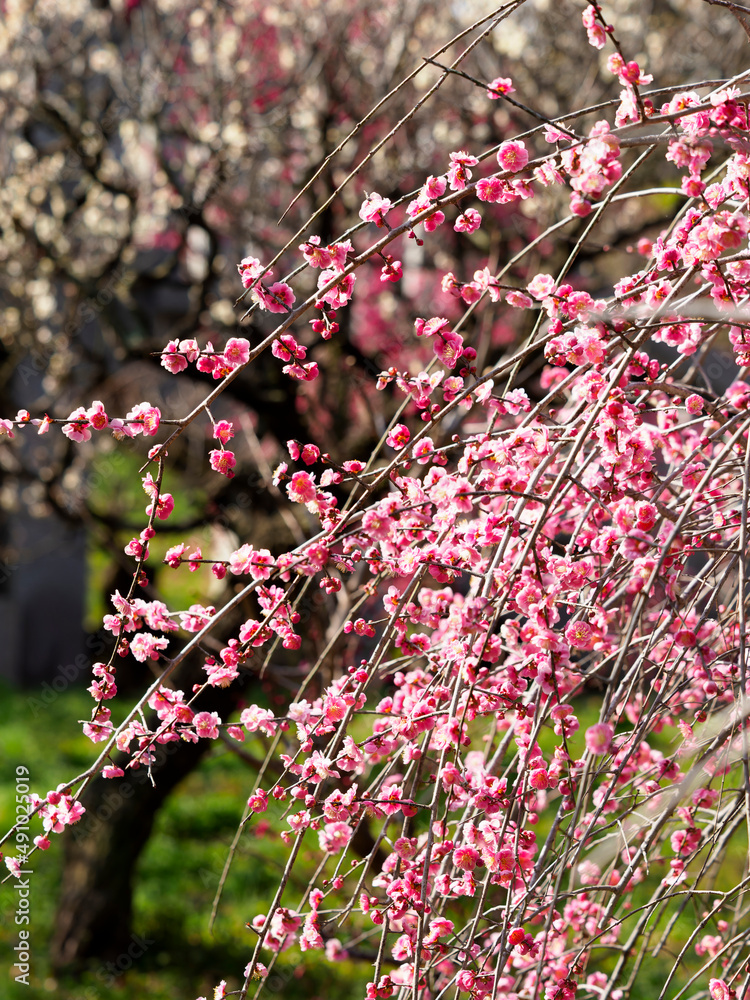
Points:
(304, 373)
(335, 951)
(539, 779)
(374, 209)
(466, 858)
(146, 646)
(580, 206)
(692, 475)
(599, 738)
(250, 269)
(341, 292)
(262, 564)
(315, 254)
(255, 718)
(466, 981)
(459, 174)
(100, 728)
(597, 36)
(14, 866)
(334, 837)
(518, 300)
(221, 674)
(172, 359)
(240, 560)
(428, 328)
(77, 430)
(552, 134)
(434, 220)
(143, 418)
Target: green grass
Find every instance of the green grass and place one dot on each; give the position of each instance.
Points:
(176, 880)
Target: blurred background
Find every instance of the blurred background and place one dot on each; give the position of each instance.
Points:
(146, 147)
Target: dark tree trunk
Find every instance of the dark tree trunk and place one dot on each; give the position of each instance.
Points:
(94, 915)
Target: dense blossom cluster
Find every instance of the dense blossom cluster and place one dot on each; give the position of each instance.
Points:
(504, 560)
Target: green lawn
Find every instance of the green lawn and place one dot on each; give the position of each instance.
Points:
(177, 876)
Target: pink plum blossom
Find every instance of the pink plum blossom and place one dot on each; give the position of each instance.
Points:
(513, 155)
(500, 85)
(599, 738)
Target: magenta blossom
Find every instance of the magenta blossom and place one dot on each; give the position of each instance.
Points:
(513, 155)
